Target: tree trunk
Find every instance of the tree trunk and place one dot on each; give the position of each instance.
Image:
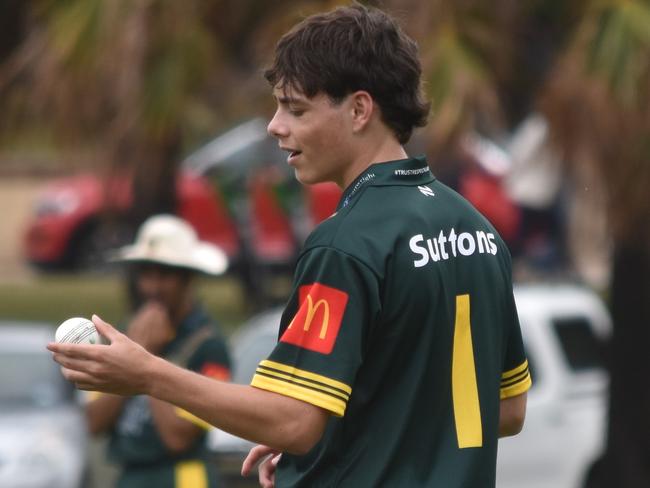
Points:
(154, 182)
(626, 461)
(154, 192)
(13, 15)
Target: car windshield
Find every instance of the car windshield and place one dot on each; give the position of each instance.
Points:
(582, 348)
(30, 379)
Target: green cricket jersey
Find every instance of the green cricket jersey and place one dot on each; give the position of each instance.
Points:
(135, 443)
(402, 324)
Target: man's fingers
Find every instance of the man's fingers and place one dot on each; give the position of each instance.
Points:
(104, 328)
(86, 386)
(78, 377)
(251, 459)
(70, 362)
(255, 454)
(70, 350)
(266, 475)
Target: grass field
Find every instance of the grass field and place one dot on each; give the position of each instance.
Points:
(55, 298)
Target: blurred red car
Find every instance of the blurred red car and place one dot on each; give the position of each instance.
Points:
(77, 219)
(237, 192)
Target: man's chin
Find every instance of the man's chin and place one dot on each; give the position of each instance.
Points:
(308, 179)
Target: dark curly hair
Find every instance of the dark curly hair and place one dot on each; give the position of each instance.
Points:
(354, 48)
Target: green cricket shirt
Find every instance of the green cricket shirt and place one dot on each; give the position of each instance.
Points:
(135, 443)
(402, 324)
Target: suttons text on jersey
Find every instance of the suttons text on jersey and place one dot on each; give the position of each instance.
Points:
(451, 245)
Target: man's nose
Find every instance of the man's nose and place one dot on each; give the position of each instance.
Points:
(276, 127)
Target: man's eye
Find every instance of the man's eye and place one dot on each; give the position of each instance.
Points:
(296, 112)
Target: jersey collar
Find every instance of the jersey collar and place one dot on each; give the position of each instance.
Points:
(410, 171)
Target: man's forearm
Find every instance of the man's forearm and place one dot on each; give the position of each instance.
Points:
(283, 423)
(512, 414)
(126, 368)
(103, 411)
(176, 433)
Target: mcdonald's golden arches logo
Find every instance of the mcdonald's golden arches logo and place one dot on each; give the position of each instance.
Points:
(318, 320)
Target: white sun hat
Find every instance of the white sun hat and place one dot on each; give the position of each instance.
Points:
(170, 240)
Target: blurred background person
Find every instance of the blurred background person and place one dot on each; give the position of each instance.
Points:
(155, 443)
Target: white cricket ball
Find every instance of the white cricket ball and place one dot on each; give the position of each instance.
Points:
(77, 330)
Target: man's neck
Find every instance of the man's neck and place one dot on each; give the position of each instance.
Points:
(388, 150)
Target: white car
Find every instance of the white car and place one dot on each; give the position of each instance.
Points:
(564, 329)
(43, 440)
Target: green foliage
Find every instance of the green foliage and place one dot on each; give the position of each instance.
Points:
(118, 72)
(619, 52)
(76, 31)
(137, 79)
(597, 101)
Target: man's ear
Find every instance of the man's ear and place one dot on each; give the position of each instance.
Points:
(363, 108)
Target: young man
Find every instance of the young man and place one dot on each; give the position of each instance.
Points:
(400, 360)
(153, 442)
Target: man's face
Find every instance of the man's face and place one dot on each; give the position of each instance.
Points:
(316, 133)
(166, 285)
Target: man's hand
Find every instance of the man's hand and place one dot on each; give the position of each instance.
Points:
(266, 470)
(151, 327)
(110, 368)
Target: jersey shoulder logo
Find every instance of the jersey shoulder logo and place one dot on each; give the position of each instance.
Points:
(426, 191)
(318, 320)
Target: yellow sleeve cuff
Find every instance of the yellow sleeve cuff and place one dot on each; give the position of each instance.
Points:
(515, 381)
(321, 391)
